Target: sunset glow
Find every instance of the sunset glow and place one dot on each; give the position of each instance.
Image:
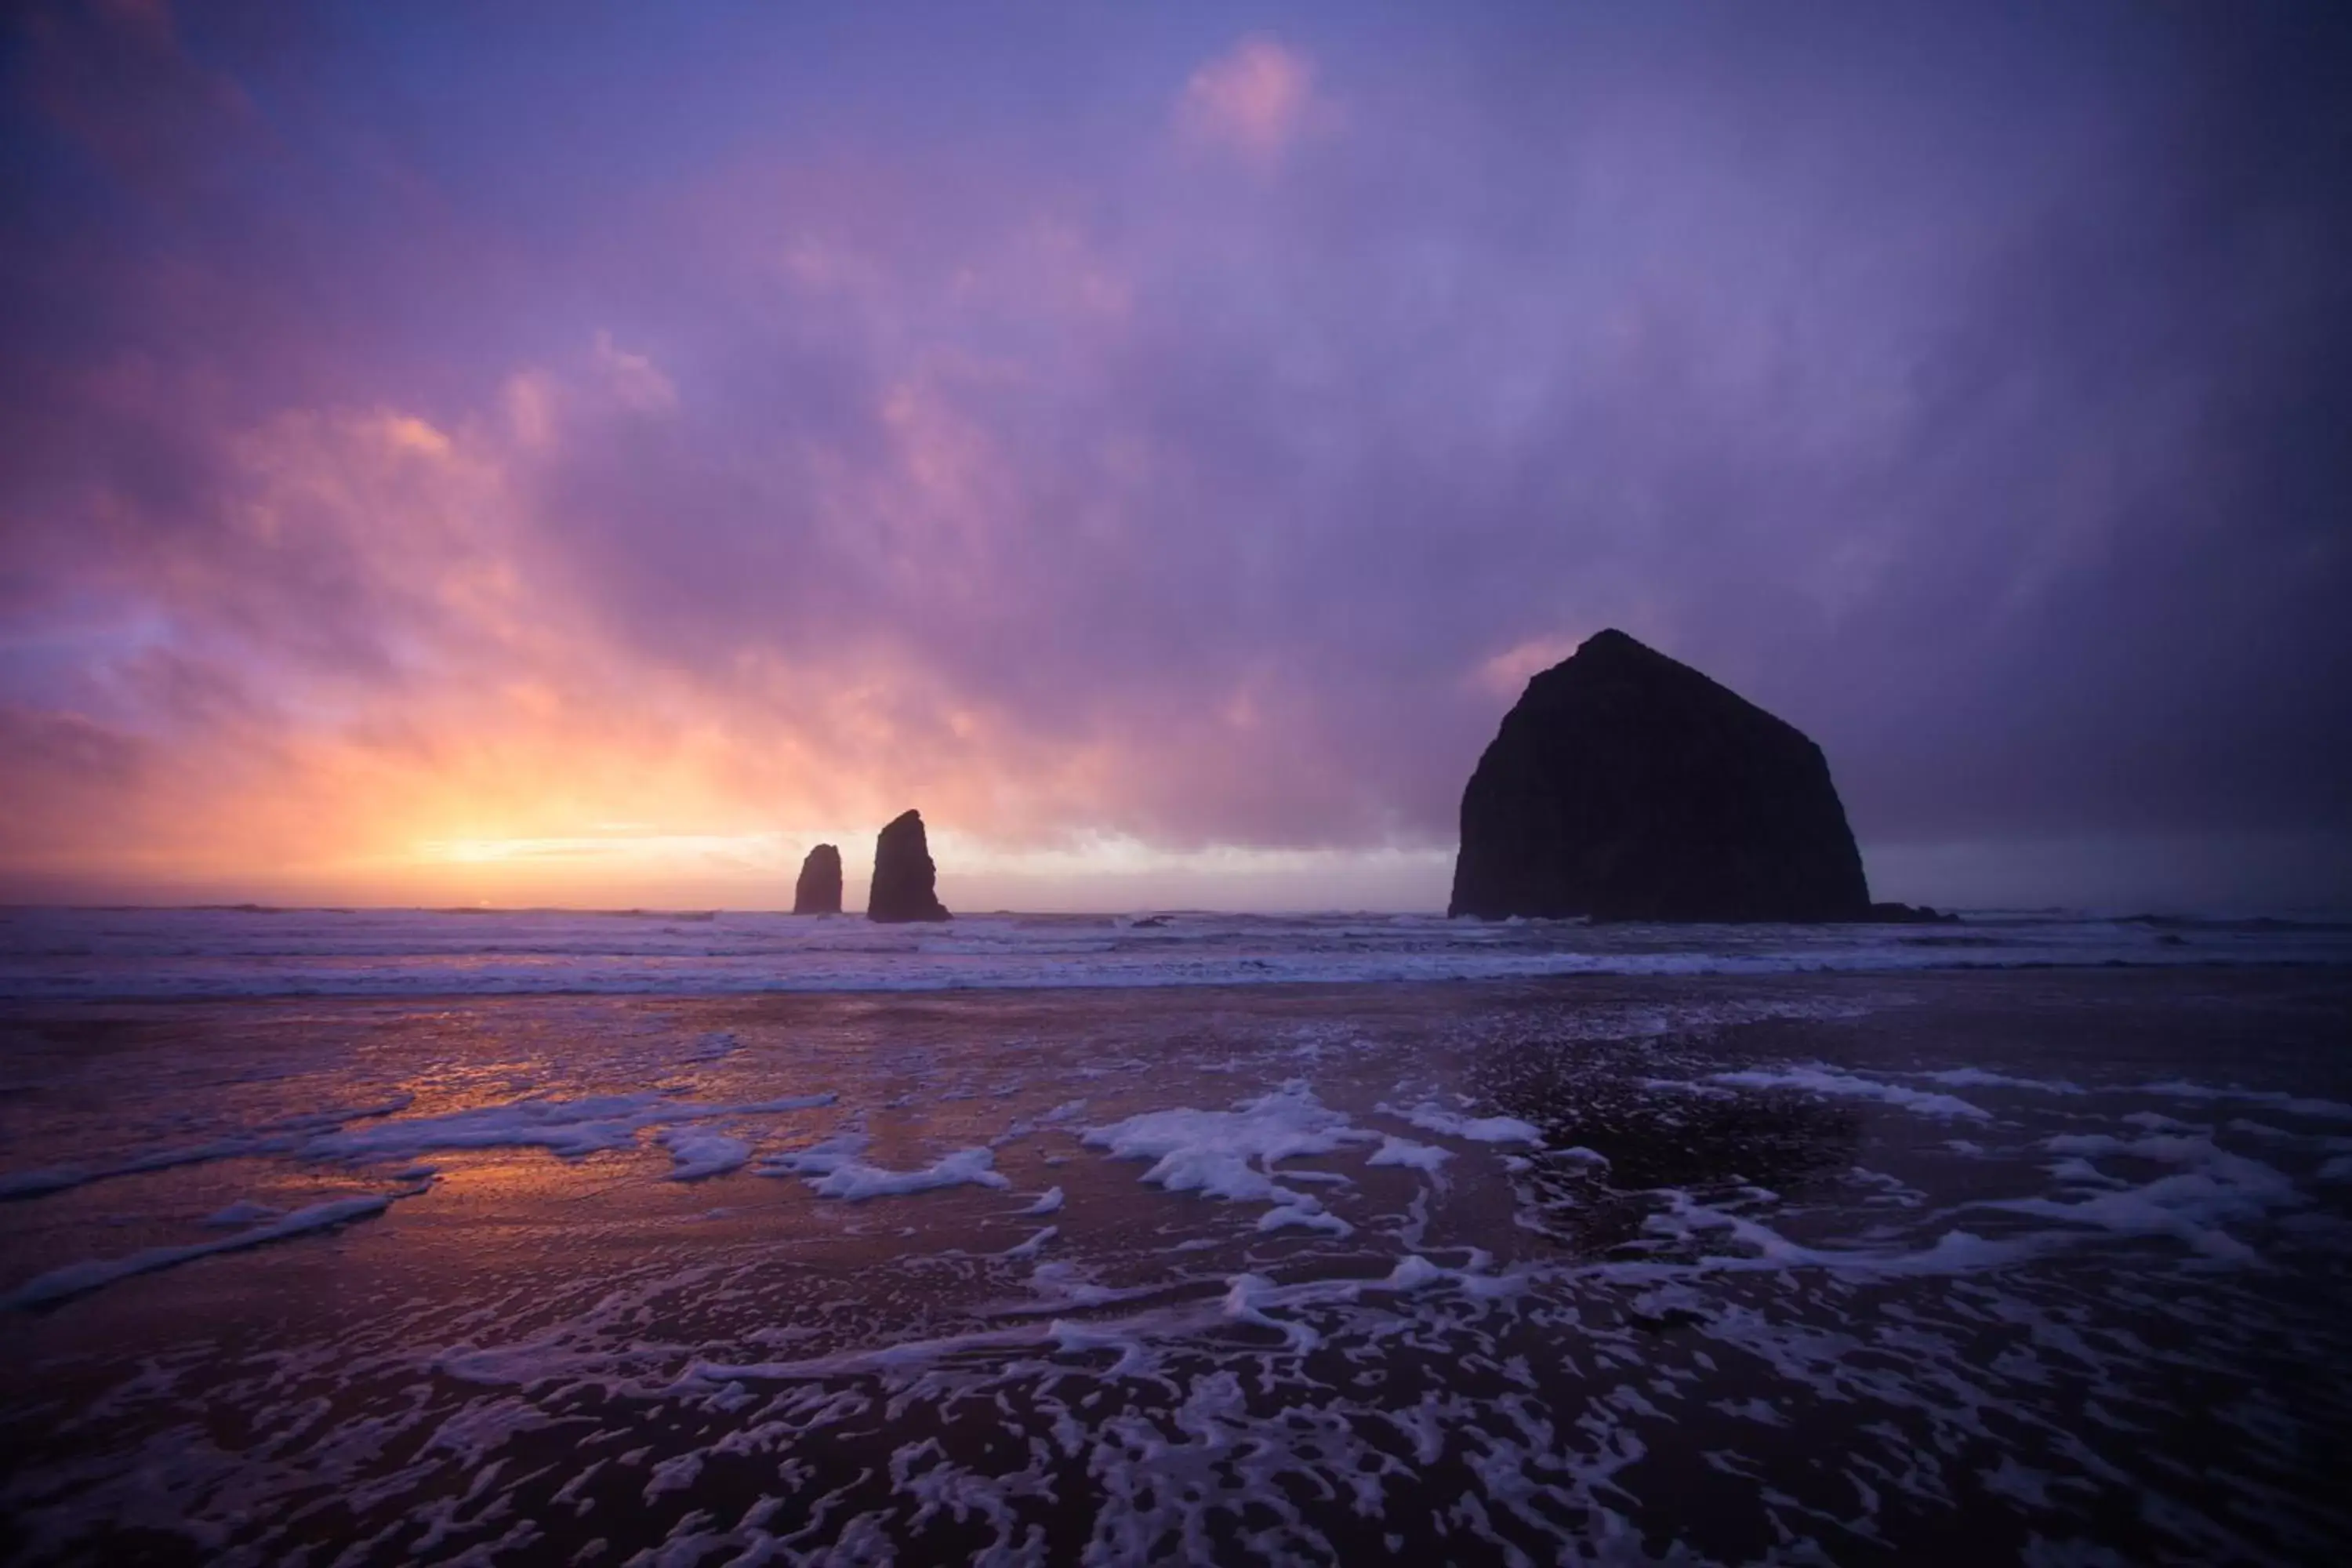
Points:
(924, 781)
(427, 450)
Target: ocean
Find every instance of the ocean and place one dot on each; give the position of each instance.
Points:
(251, 950)
(683, 1237)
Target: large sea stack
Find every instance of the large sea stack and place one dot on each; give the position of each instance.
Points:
(818, 892)
(1626, 786)
(905, 881)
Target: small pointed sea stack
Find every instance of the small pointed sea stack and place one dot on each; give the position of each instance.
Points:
(905, 881)
(818, 892)
(1627, 786)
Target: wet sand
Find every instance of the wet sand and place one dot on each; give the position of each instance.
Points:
(1963, 1266)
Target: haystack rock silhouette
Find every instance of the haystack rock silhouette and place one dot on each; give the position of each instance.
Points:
(1626, 786)
(905, 881)
(818, 892)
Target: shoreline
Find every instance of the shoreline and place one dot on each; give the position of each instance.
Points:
(12, 1000)
(1599, 986)
(617, 1267)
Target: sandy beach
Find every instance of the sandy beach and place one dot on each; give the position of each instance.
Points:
(1120, 785)
(2033, 1265)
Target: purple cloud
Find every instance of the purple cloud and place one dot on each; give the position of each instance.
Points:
(1177, 431)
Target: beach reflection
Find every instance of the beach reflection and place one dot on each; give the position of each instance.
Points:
(1319, 1271)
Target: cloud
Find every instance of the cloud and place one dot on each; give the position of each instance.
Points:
(753, 472)
(85, 63)
(633, 380)
(1508, 672)
(1253, 102)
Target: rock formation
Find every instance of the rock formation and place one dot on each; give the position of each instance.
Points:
(905, 881)
(1910, 914)
(818, 892)
(1627, 786)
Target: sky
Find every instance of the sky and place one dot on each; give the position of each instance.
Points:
(586, 454)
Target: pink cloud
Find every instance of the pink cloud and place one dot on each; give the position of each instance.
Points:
(532, 463)
(1507, 672)
(1254, 100)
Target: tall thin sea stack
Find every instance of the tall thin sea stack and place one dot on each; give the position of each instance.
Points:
(1626, 786)
(905, 881)
(818, 891)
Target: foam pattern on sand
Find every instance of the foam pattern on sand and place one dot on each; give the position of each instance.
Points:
(1232, 1154)
(80, 1278)
(1815, 1079)
(569, 1129)
(835, 1169)
(2203, 1190)
(1564, 1282)
(1478, 1129)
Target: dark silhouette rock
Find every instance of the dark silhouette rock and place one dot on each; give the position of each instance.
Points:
(905, 881)
(1627, 786)
(818, 892)
(1910, 914)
